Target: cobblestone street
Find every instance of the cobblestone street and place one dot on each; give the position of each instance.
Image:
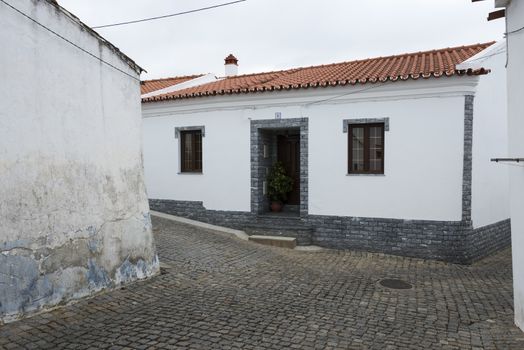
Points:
(218, 292)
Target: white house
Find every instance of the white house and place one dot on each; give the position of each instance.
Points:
(389, 154)
(74, 216)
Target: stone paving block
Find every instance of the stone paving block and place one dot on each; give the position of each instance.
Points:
(217, 292)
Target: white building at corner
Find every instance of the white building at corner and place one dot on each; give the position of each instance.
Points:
(74, 215)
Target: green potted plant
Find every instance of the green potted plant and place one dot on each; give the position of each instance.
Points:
(279, 184)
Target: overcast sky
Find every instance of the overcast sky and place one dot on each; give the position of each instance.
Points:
(276, 34)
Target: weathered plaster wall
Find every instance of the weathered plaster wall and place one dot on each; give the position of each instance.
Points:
(74, 217)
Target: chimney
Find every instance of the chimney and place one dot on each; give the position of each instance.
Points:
(231, 66)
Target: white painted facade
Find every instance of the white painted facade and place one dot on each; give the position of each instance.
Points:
(490, 181)
(424, 148)
(414, 185)
(225, 181)
(73, 206)
(515, 77)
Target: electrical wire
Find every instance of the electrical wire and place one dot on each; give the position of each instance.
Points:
(506, 34)
(496, 53)
(514, 31)
(168, 16)
(69, 41)
(346, 94)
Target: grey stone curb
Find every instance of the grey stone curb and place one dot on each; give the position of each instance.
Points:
(237, 233)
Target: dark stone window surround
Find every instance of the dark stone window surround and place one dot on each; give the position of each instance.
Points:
(347, 122)
(189, 128)
(257, 177)
(345, 128)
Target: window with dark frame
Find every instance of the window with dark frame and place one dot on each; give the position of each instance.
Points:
(191, 151)
(366, 148)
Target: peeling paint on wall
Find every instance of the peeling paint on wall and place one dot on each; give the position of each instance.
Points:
(46, 264)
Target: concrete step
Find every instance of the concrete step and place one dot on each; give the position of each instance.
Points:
(282, 242)
(302, 235)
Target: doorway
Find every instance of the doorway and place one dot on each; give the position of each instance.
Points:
(284, 140)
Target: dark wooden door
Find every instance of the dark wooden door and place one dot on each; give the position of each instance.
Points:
(289, 155)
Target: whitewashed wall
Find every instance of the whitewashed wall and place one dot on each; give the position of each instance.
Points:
(424, 149)
(225, 180)
(73, 209)
(423, 161)
(490, 181)
(515, 20)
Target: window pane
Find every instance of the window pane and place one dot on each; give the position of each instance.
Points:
(376, 148)
(188, 151)
(191, 151)
(198, 151)
(357, 149)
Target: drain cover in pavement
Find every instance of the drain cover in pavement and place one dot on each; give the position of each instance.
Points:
(395, 284)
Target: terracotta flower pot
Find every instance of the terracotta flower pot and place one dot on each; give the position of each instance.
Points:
(276, 207)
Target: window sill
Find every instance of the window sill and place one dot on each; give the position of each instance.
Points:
(190, 173)
(365, 174)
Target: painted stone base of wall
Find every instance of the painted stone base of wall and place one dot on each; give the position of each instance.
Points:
(449, 241)
(440, 240)
(487, 240)
(38, 275)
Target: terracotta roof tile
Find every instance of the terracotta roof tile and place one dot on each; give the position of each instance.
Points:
(148, 86)
(435, 63)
